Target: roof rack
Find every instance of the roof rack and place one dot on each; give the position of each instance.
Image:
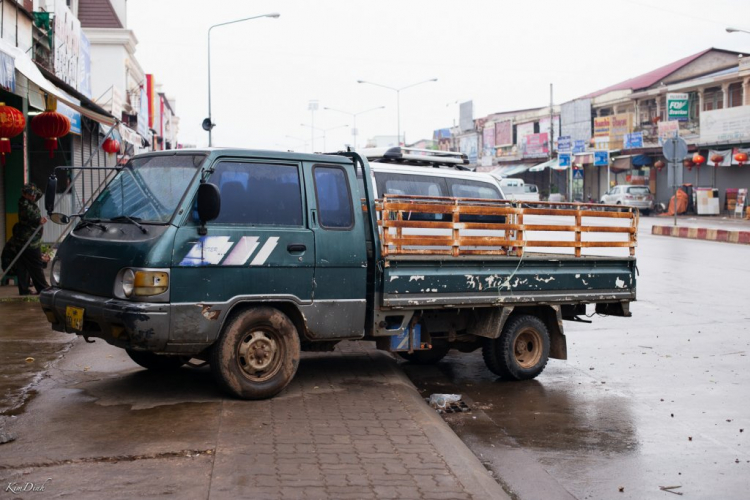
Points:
(419, 157)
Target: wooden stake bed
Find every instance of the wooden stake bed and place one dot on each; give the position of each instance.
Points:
(421, 225)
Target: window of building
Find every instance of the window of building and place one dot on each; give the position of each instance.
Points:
(334, 198)
(735, 95)
(713, 99)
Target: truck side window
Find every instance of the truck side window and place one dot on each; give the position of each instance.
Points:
(334, 198)
(258, 194)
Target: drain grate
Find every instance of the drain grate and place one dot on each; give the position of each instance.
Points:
(454, 407)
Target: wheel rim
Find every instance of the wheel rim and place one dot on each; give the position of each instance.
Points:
(528, 348)
(258, 354)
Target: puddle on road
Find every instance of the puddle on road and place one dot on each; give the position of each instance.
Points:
(28, 347)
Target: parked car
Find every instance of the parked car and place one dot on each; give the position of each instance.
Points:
(632, 196)
(517, 189)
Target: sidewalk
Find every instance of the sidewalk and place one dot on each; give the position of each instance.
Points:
(701, 227)
(350, 426)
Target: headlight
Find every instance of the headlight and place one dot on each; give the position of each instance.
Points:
(55, 275)
(128, 281)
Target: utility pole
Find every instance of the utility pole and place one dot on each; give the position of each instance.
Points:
(551, 136)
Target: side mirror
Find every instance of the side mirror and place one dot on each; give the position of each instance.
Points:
(58, 218)
(209, 204)
(49, 194)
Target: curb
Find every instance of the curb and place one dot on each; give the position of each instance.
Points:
(456, 454)
(702, 233)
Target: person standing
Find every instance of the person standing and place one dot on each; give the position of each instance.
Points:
(31, 263)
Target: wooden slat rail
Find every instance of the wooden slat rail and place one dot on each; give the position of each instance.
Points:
(423, 225)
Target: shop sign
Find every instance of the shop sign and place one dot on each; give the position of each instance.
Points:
(579, 146)
(143, 114)
(536, 144)
(7, 72)
(601, 158)
(544, 126)
(73, 115)
(741, 196)
(468, 146)
(634, 140)
(602, 126)
(678, 106)
(504, 133)
(523, 130)
(613, 127)
(725, 125)
(670, 129)
(488, 141)
(563, 143)
(67, 37)
(564, 160)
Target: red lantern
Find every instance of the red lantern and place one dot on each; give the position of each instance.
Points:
(51, 125)
(656, 119)
(741, 158)
(12, 123)
(688, 163)
(111, 146)
(659, 165)
(716, 159)
(698, 160)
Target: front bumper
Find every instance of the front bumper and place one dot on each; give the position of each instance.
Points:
(130, 325)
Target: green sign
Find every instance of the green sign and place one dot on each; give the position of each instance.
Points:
(678, 106)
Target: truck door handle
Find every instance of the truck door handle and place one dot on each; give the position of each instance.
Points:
(295, 248)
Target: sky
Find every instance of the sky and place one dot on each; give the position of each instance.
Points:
(501, 54)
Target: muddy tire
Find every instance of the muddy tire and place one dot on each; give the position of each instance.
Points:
(428, 357)
(522, 350)
(257, 354)
(155, 362)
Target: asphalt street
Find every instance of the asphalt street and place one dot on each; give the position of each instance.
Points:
(642, 403)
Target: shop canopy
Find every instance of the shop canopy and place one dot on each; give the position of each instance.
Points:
(553, 164)
(515, 170)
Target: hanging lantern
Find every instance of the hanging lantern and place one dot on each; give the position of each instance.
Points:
(111, 146)
(688, 163)
(659, 165)
(717, 159)
(12, 123)
(51, 125)
(698, 160)
(741, 158)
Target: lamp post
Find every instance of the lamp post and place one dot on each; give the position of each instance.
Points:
(323, 130)
(398, 100)
(207, 124)
(355, 132)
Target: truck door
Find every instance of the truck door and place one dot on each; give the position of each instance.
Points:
(339, 296)
(259, 248)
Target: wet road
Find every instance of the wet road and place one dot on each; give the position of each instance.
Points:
(27, 348)
(656, 400)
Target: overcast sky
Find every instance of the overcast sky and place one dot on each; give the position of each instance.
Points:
(503, 55)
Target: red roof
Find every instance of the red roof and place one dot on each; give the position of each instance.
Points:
(98, 14)
(648, 79)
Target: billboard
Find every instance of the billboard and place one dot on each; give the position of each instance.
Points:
(67, 36)
(725, 125)
(504, 133)
(466, 116)
(468, 146)
(678, 106)
(536, 144)
(522, 130)
(575, 119)
(488, 141)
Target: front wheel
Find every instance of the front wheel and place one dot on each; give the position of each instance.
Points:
(156, 362)
(257, 354)
(522, 350)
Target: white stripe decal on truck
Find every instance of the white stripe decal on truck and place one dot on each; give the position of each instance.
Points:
(242, 251)
(265, 252)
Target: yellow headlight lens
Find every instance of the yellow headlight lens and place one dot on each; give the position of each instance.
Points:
(150, 283)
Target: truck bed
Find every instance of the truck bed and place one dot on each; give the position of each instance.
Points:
(469, 253)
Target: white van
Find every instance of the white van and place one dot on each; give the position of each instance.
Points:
(517, 189)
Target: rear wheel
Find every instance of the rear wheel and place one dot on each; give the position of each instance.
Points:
(522, 350)
(156, 362)
(257, 354)
(427, 357)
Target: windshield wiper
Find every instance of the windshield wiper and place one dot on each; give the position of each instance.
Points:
(133, 220)
(90, 222)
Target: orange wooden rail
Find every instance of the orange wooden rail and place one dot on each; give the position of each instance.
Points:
(449, 226)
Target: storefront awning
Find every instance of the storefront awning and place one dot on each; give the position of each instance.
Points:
(553, 164)
(28, 68)
(516, 169)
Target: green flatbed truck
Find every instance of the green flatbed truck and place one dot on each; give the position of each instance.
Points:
(245, 258)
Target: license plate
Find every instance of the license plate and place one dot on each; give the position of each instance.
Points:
(74, 317)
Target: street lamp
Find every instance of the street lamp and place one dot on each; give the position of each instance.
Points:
(398, 100)
(735, 30)
(354, 121)
(323, 130)
(207, 124)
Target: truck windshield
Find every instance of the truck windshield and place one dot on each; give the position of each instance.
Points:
(146, 189)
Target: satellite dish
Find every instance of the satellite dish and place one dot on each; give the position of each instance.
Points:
(207, 125)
